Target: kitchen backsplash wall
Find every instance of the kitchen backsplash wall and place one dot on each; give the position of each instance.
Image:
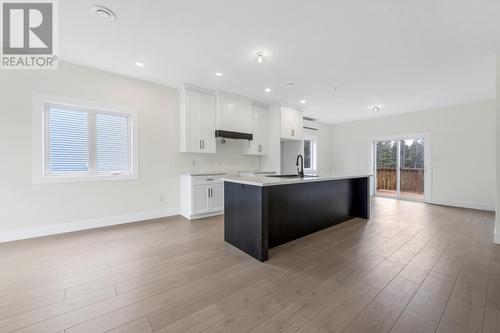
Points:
(227, 159)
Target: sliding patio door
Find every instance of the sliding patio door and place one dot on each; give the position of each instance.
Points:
(412, 168)
(400, 167)
(386, 175)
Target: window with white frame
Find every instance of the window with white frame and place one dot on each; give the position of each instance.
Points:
(309, 155)
(84, 142)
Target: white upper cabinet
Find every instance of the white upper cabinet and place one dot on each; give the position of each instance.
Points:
(197, 120)
(260, 124)
(234, 113)
(291, 124)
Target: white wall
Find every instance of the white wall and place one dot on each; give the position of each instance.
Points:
(497, 226)
(25, 205)
(324, 149)
(463, 149)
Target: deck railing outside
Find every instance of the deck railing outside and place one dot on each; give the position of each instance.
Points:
(412, 180)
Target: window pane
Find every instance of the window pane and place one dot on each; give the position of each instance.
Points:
(307, 154)
(68, 140)
(412, 153)
(112, 143)
(387, 159)
(412, 172)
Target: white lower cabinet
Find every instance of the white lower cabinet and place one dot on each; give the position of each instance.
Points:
(217, 198)
(201, 196)
(200, 199)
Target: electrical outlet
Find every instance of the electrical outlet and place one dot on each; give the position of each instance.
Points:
(162, 198)
(194, 162)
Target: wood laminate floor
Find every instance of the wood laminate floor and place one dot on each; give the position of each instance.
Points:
(412, 268)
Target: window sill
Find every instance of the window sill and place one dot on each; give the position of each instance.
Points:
(82, 179)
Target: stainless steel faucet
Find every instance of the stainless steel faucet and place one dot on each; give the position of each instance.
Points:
(301, 169)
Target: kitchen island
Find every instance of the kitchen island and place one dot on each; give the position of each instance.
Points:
(263, 212)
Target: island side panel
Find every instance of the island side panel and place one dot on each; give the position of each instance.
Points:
(244, 225)
(297, 210)
(361, 197)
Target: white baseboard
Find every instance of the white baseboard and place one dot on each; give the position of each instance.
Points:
(459, 204)
(463, 204)
(201, 216)
(61, 228)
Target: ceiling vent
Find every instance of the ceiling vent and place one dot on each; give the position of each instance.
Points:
(104, 13)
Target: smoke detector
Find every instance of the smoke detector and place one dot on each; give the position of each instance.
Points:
(104, 13)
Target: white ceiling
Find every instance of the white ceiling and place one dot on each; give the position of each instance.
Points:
(404, 55)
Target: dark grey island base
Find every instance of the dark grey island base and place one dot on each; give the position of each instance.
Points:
(260, 216)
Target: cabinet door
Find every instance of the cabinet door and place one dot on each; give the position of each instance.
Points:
(217, 198)
(286, 128)
(200, 199)
(297, 125)
(208, 121)
(263, 121)
(253, 148)
(291, 124)
(258, 146)
(193, 122)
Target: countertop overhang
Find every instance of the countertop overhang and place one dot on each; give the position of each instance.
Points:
(273, 181)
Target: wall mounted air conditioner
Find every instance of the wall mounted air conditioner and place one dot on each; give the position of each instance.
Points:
(311, 124)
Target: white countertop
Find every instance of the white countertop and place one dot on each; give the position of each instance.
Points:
(208, 174)
(271, 181)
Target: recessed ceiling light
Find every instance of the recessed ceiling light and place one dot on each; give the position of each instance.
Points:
(139, 64)
(267, 90)
(303, 101)
(104, 13)
(289, 84)
(218, 74)
(376, 108)
(260, 57)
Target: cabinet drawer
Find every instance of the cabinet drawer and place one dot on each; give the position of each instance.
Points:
(203, 180)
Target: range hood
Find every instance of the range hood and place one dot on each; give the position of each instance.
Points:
(233, 135)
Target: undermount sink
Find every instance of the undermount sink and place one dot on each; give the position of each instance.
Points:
(284, 176)
(291, 176)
